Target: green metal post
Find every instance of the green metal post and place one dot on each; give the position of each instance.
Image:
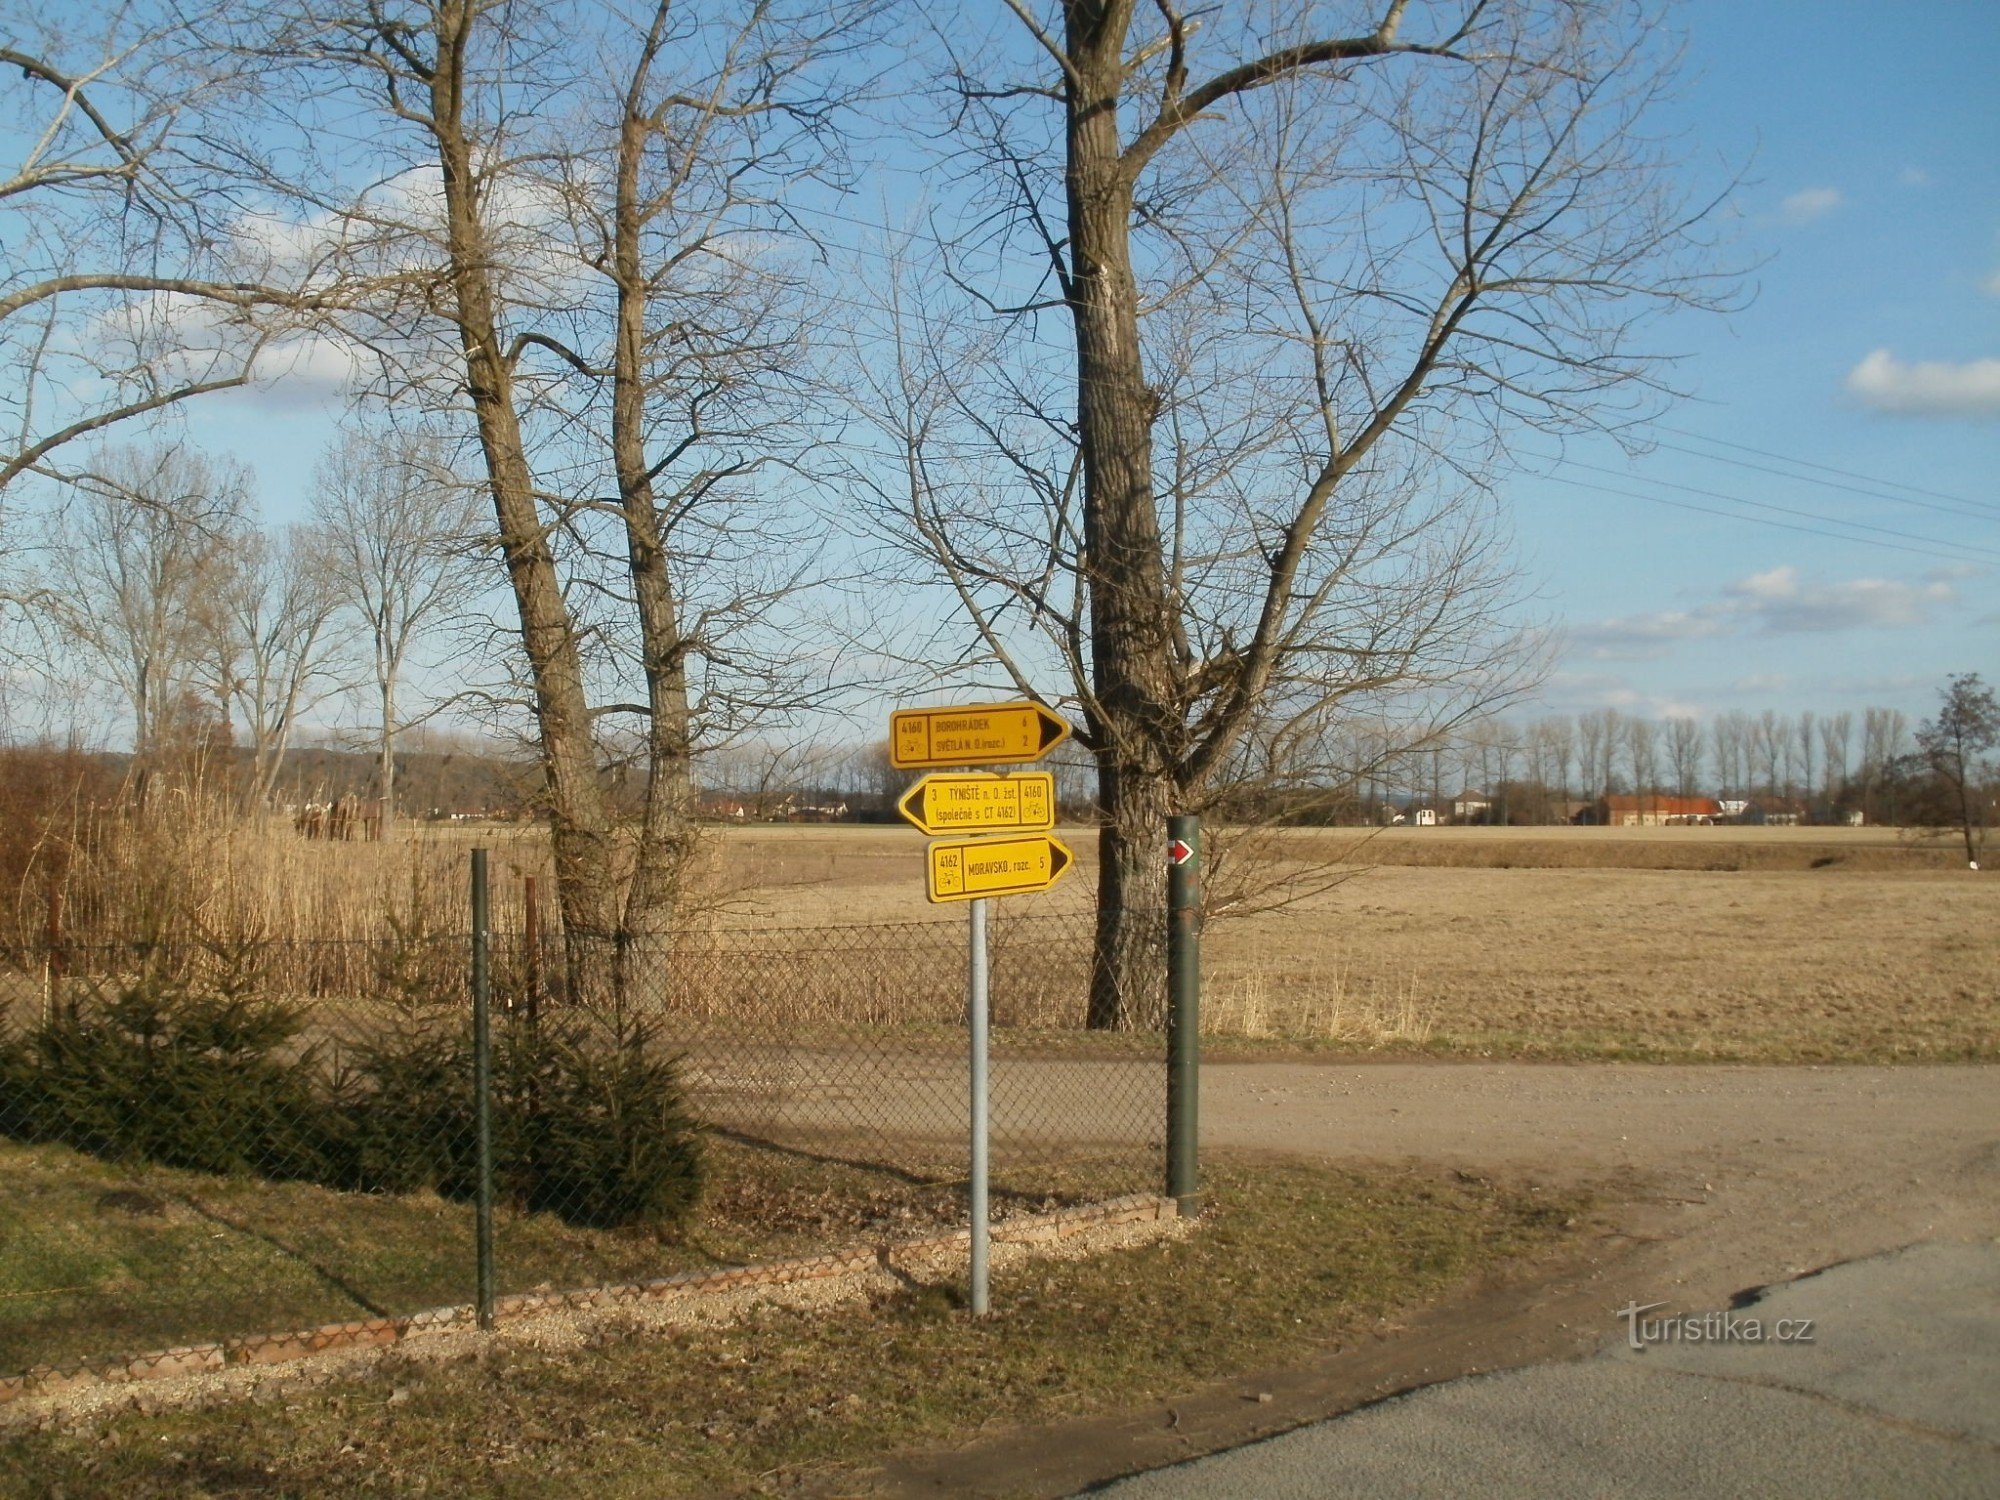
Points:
(1184, 1011)
(482, 1091)
(977, 1021)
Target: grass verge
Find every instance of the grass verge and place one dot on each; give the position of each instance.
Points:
(99, 1259)
(1290, 1257)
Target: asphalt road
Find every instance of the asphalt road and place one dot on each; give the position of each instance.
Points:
(1717, 1181)
(1897, 1393)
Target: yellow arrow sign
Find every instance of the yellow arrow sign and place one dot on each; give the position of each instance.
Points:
(966, 869)
(980, 802)
(975, 735)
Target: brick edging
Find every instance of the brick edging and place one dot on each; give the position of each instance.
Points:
(380, 1333)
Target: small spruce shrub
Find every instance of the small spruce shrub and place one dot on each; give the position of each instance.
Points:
(589, 1121)
(402, 1117)
(191, 1069)
(164, 1067)
(596, 1128)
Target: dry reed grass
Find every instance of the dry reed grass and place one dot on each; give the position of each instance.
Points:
(1322, 1006)
(191, 865)
(1753, 943)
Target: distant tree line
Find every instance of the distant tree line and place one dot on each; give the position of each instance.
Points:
(1823, 768)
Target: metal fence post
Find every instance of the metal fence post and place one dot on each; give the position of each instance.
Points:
(1183, 1011)
(53, 957)
(482, 1092)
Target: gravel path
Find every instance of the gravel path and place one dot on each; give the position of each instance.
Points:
(1761, 1173)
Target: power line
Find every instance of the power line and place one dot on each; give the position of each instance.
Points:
(1902, 541)
(1730, 515)
(1788, 510)
(1852, 489)
(1806, 463)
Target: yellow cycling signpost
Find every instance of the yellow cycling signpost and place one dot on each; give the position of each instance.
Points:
(1000, 846)
(982, 802)
(973, 869)
(989, 734)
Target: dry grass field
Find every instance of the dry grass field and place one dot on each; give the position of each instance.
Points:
(1804, 944)
(1801, 944)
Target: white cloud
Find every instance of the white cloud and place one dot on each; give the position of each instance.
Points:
(1954, 573)
(1777, 601)
(1573, 692)
(1880, 686)
(1761, 683)
(1928, 388)
(1645, 637)
(1809, 204)
(1914, 177)
(1780, 603)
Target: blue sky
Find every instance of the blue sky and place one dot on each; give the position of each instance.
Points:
(1868, 137)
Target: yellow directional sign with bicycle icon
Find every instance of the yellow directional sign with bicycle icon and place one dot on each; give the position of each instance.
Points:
(967, 869)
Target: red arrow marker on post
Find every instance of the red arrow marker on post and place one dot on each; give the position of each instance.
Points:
(1179, 852)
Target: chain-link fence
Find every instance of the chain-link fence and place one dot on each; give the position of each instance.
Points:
(202, 1141)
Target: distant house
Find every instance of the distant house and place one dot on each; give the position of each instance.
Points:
(815, 812)
(1651, 810)
(1776, 812)
(1470, 806)
(1424, 817)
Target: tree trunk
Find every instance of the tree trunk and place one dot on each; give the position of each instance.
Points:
(579, 821)
(666, 825)
(1966, 818)
(1131, 646)
(386, 773)
(1128, 979)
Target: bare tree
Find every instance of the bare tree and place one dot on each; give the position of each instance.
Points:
(1591, 735)
(1642, 754)
(1505, 739)
(136, 550)
(1684, 741)
(1731, 736)
(1308, 278)
(1806, 735)
(771, 776)
(1603, 735)
(138, 275)
(398, 532)
(1884, 732)
(1562, 755)
(1538, 746)
(1781, 738)
(1957, 746)
(1770, 744)
(584, 200)
(268, 611)
(1836, 737)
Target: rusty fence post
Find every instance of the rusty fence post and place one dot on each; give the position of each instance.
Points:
(531, 940)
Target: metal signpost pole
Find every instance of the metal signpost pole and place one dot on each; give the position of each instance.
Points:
(1023, 858)
(976, 1016)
